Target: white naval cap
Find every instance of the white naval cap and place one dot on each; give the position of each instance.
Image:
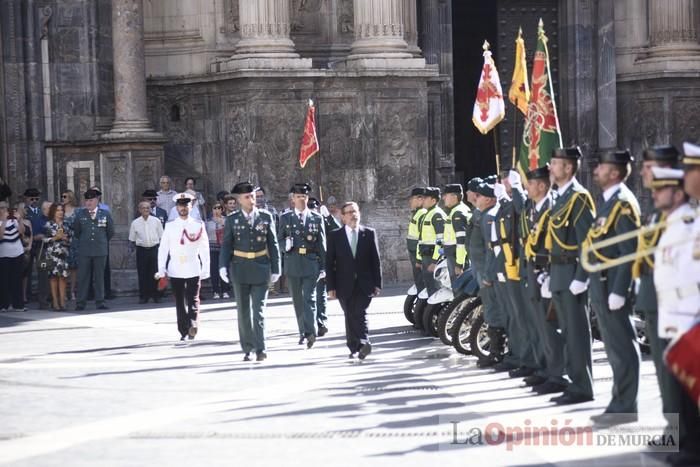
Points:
(691, 154)
(183, 198)
(666, 176)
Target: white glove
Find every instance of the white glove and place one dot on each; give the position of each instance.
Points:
(577, 287)
(274, 278)
(615, 301)
(496, 251)
(637, 286)
(321, 275)
(499, 190)
(288, 244)
(501, 277)
(544, 288)
(324, 211)
(223, 274)
(158, 275)
(514, 178)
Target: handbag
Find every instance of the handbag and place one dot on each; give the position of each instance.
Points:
(45, 261)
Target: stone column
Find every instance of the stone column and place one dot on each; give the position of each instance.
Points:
(606, 76)
(673, 28)
(265, 42)
(379, 36)
(130, 111)
(410, 23)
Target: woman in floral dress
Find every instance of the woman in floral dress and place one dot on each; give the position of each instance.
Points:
(70, 208)
(57, 244)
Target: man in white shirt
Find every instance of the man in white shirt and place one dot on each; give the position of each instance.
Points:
(145, 232)
(186, 243)
(166, 194)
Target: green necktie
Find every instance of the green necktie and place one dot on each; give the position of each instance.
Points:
(353, 242)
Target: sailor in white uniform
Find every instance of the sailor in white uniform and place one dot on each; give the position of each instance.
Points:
(183, 256)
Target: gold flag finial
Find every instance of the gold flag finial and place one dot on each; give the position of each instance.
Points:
(520, 31)
(486, 45)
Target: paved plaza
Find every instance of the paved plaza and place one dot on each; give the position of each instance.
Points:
(117, 388)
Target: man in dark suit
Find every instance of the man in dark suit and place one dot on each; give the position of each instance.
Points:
(354, 275)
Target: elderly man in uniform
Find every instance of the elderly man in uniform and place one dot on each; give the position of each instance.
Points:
(93, 229)
(304, 236)
(573, 212)
(617, 213)
(677, 280)
(250, 249)
(183, 256)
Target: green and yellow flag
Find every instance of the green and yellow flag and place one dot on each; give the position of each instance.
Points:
(519, 92)
(541, 133)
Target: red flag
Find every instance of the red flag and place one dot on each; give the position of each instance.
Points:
(309, 141)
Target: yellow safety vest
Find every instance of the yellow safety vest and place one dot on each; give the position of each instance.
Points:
(428, 237)
(413, 231)
(451, 235)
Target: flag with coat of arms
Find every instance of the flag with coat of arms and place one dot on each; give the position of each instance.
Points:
(489, 107)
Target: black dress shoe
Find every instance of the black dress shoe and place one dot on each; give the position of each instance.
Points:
(503, 366)
(142, 301)
(102, 306)
(534, 380)
(607, 419)
(310, 340)
(322, 331)
(568, 398)
(246, 357)
(260, 356)
(485, 363)
(521, 372)
(156, 299)
(79, 307)
(351, 356)
(301, 340)
(365, 350)
(549, 388)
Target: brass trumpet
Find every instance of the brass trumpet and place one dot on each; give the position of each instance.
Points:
(587, 249)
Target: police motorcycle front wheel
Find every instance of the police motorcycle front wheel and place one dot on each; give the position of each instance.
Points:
(431, 315)
(463, 325)
(479, 341)
(409, 303)
(448, 316)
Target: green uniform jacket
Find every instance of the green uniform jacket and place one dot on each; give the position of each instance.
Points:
(92, 236)
(239, 235)
(490, 262)
(618, 215)
(309, 238)
(476, 244)
(646, 299)
(572, 216)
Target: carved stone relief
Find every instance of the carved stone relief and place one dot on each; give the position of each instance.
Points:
(346, 19)
(305, 16)
(686, 121)
(232, 25)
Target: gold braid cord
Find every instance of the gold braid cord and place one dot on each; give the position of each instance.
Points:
(533, 236)
(596, 232)
(563, 214)
(646, 241)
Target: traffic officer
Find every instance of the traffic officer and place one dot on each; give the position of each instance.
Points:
(676, 276)
(304, 238)
(572, 215)
(646, 303)
(534, 221)
(250, 252)
(415, 204)
(482, 257)
(330, 224)
(183, 256)
(431, 237)
(618, 213)
(93, 229)
(456, 226)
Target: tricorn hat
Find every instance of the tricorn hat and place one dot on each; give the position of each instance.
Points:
(615, 156)
(572, 153)
(538, 174)
(301, 189)
(666, 153)
(455, 188)
(418, 191)
(242, 188)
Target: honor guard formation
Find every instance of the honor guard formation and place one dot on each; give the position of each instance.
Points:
(537, 268)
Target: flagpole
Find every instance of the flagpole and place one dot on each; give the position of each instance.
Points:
(318, 156)
(515, 133)
(498, 156)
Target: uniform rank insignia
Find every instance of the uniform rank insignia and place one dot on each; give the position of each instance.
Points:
(102, 222)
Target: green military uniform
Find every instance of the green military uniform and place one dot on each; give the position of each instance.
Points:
(321, 293)
(534, 222)
(92, 234)
(304, 239)
(572, 215)
(455, 239)
(520, 328)
(412, 236)
(646, 301)
(432, 231)
(617, 213)
(250, 252)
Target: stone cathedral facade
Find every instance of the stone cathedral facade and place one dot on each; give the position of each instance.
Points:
(116, 93)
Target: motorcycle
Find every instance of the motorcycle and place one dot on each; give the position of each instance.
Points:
(414, 304)
(464, 289)
(439, 300)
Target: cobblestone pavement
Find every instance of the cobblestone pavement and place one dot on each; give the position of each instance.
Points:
(116, 388)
